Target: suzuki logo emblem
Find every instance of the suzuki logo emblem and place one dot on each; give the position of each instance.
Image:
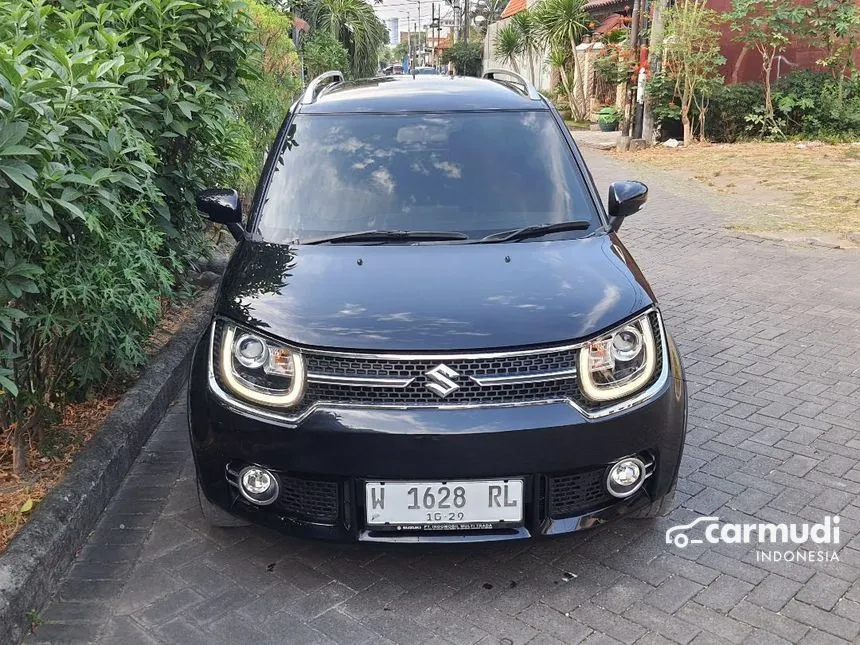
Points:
(440, 380)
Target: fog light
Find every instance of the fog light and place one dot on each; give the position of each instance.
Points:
(625, 477)
(258, 485)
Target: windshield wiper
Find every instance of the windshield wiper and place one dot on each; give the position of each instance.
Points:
(538, 230)
(386, 236)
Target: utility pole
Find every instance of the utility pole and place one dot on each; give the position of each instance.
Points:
(420, 48)
(466, 21)
(629, 104)
(655, 63)
(408, 42)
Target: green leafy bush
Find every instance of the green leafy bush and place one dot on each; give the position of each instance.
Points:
(609, 114)
(729, 107)
(111, 117)
(269, 93)
(814, 104)
(466, 57)
(324, 52)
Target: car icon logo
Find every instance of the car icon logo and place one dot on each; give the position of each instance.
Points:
(676, 534)
(439, 380)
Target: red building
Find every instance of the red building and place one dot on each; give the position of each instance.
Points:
(741, 66)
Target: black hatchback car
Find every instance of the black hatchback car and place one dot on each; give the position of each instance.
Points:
(429, 330)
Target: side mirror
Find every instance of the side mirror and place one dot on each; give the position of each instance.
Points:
(625, 198)
(223, 206)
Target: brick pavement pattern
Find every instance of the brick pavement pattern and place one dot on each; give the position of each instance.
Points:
(771, 340)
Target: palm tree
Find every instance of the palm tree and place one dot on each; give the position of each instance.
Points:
(486, 12)
(508, 46)
(562, 24)
(558, 59)
(355, 24)
(530, 40)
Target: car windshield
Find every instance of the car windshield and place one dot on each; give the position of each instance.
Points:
(469, 172)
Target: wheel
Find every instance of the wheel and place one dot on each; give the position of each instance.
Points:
(215, 515)
(658, 507)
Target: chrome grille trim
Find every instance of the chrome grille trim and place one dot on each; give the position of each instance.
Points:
(528, 377)
(357, 381)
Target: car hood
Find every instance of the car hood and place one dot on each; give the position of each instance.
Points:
(433, 297)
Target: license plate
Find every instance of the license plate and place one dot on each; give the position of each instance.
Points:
(440, 505)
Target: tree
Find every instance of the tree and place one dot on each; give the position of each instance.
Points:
(486, 12)
(562, 24)
(323, 52)
(836, 24)
(355, 24)
(558, 59)
(465, 56)
(767, 27)
(508, 46)
(692, 57)
(530, 39)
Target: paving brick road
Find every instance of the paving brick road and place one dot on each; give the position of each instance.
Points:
(771, 338)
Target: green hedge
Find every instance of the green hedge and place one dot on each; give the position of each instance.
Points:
(808, 104)
(111, 117)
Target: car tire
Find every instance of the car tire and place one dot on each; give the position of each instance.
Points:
(657, 508)
(215, 515)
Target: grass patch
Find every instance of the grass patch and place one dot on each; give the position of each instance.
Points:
(814, 189)
(578, 125)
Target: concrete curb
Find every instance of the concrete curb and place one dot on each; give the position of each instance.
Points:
(39, 555)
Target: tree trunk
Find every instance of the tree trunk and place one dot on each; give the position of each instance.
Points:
(655, 63)
(578, 87)
(768, 91)
(531, 65)
(19, 451)
(688, 125)
(736, 72)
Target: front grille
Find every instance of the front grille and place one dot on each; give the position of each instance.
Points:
(530, 367)
(358, 366)
(571, 495)
(417, 394)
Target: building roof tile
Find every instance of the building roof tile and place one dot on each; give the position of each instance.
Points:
(514, 7)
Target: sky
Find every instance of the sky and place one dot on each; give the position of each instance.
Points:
(399, 8)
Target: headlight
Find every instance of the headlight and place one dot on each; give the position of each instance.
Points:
(618, 364)
(258, 370)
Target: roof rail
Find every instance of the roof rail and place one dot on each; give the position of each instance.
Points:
(528, 89)
(313, 88)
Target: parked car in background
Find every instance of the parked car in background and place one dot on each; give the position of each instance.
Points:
(423, 71)
(448, 343)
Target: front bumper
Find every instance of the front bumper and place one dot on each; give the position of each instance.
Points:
(325, 460)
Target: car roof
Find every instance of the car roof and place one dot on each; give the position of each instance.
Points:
(427, 94)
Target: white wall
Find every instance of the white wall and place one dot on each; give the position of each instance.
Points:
(541, 68)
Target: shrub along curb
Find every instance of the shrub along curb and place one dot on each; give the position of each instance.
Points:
(39, 555)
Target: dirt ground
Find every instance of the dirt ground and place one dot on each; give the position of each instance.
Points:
(794, 193)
